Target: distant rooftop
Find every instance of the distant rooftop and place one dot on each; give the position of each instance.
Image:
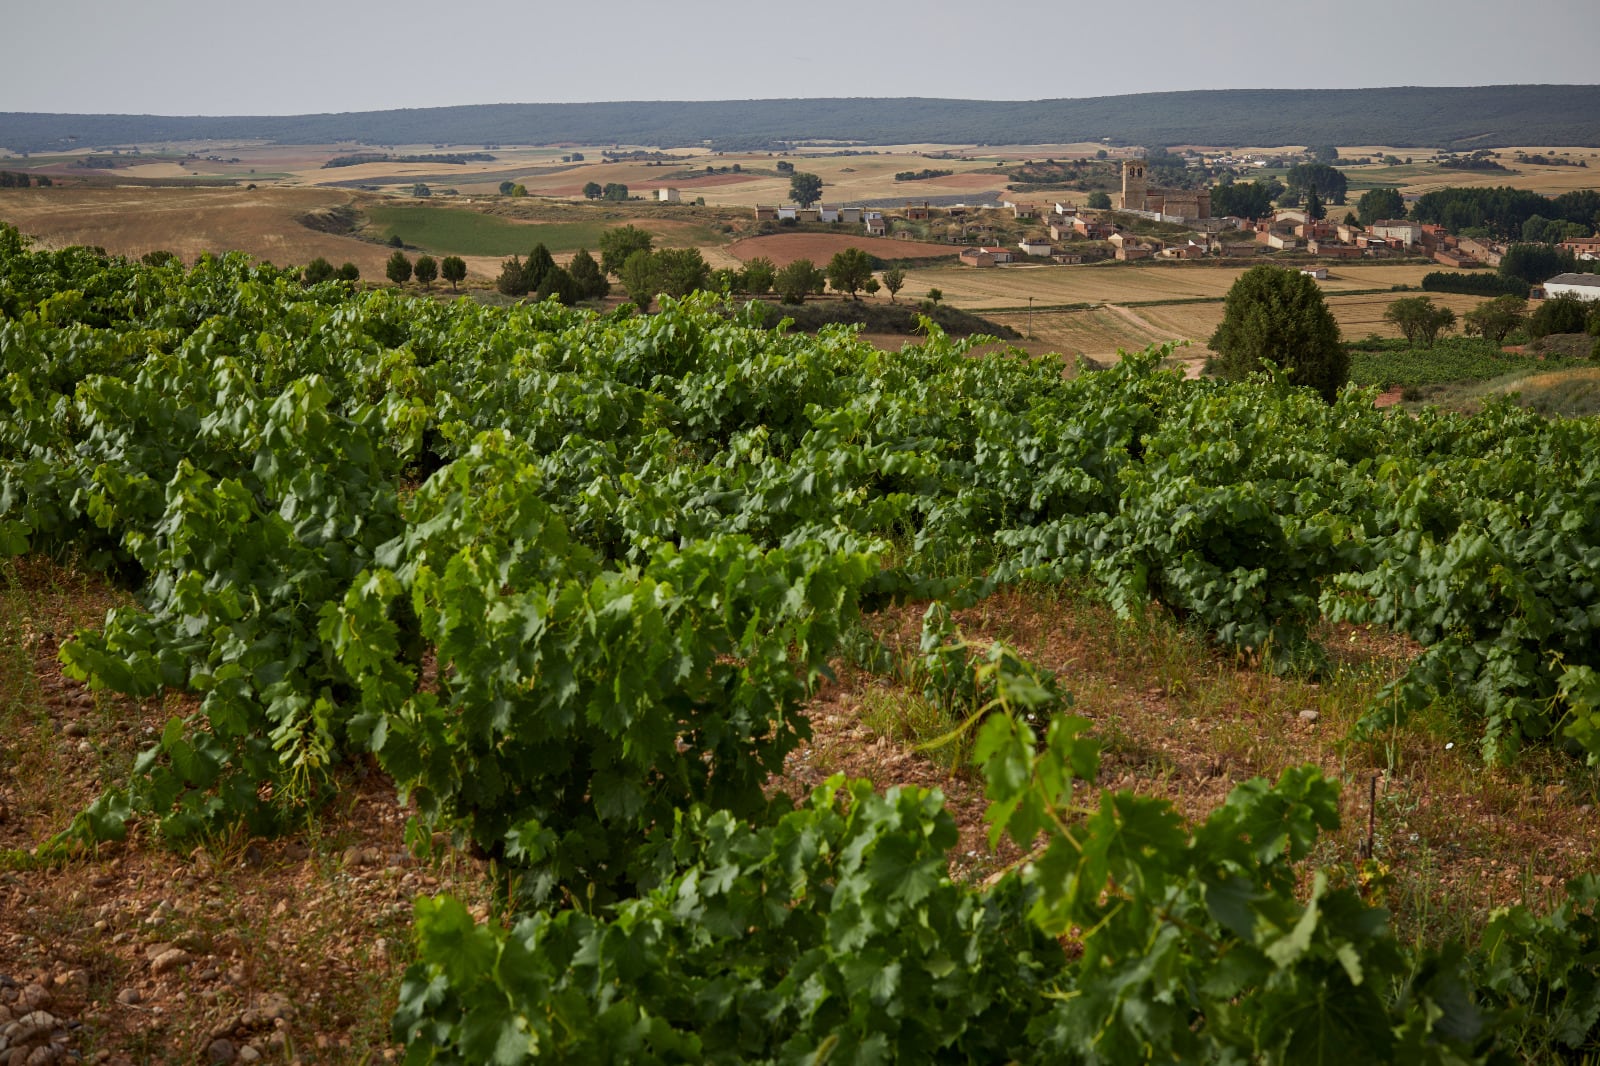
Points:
(1591, 281)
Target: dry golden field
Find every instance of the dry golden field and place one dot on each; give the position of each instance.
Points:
(979, 290)
(132, 221)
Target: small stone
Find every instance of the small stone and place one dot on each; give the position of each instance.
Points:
(1310, 716)
(34, 996)
(221, 1051)
(85, 748)
(193, 940)
(171, 960)
(249, 1054)
(130, 996)
(44, 1055)
(76, 729)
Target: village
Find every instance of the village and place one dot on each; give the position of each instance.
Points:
(1147, 222)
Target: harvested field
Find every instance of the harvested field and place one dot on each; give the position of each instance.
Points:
(785, 248)
(188, 221)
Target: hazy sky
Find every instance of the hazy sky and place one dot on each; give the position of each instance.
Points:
(222, 57)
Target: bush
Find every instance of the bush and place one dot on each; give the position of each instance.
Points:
(1561, 314)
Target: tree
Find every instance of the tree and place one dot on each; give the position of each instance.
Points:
(1419, 319)
(620, 242)
(1314, 209)
(1377, 204)
(1560, 314)
(1246, 199)
(557, 284)
(805, 189)
(1330, 184)
(454, 269)
(591, 283)
(848, 270)
(506, 187)
(639, 276)
(593, 190)
(871, 286)
(894, 279)
(398, 268)
(421, 189)
(614, 191)
(797, 281)
(349, 272)
(539, 263)
(318, 271)
(427, 269)
(934, 296)
(1278, 315)
(680, 271)
(1099, 201)
(395, 241)
(1535, 263)
(1323, 153)
(757, 276)
(512, 281)
(1494, 319)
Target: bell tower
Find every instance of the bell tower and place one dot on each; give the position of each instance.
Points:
(1133, 186)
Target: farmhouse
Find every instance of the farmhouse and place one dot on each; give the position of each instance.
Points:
(1583, 286)
(668, 196)
(1583, 247)
(1333, 249)
(918, 213)
(1454, 257)
(1408, 233)
(1031, 246)
(827, 212)
(985, 257)
(766, 214)
(876, 225)
(1062, 229)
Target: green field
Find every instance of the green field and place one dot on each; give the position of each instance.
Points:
(459, 231)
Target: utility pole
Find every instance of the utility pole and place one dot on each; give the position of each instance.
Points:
(1030, 318)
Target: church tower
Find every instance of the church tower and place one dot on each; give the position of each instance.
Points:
(1133, 187)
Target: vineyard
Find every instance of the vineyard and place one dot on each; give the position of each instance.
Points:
(571, 579)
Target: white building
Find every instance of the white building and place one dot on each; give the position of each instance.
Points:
(1030, 246)
(668, 196)
(1583, 286)
(1396, 228)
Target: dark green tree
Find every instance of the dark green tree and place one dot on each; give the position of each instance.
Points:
(349, 272)
(426, 270)
(757, 276)
(614, 191)
(1536, 263)
(454, 270)
(1330, 184)
(1419, 319)
(512, 281)
(1244, 199)
(1494, 319)
(1279, 316)
(538, 264)
(620, 242)
(1099, 200)
(557, 284)
(680, 271)
(593, 190)
(1314, 209)
(805, 189)
(894, 279)
(797, 281)
(935, 296)
(1378, 204)
(848, 270)
(586, 275)
(318, 271)
(506, 187)
(1323, 153)
(640, 277)
(398, 268)
(1560, 314)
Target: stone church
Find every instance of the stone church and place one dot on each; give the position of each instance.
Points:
(1137, 196)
